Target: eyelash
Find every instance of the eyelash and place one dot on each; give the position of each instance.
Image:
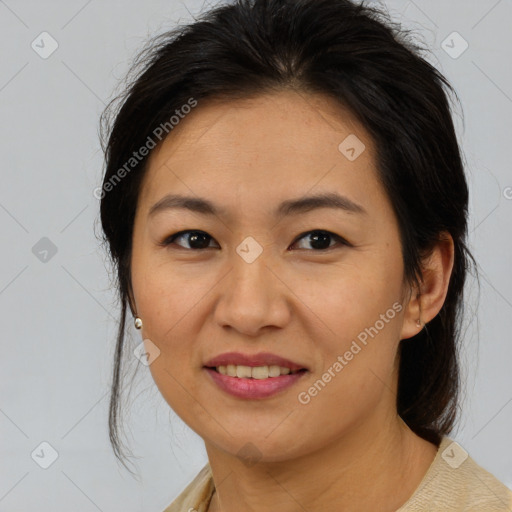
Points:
(170, 240)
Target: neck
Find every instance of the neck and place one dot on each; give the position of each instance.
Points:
(367, 469)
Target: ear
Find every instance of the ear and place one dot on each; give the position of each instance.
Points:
(424, 304)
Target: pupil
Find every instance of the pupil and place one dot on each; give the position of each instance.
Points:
(194, 237)
(318, 240)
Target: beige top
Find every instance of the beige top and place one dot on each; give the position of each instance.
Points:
(454, 482)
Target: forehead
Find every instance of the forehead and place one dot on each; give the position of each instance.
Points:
(262, 147)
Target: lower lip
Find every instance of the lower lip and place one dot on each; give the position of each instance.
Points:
(254, 388)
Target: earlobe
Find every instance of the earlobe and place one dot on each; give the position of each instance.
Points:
(413, 321)
(437, 277)
(426, 303)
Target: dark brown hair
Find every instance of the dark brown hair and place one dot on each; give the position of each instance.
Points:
(357, 56)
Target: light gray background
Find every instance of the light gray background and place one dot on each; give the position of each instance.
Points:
(58, 317)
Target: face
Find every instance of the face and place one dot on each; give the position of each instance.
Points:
(319, 286)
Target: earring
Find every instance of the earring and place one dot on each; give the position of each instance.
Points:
(138, 323)
(418, 322)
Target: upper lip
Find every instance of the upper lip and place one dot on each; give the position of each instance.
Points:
(260, 359)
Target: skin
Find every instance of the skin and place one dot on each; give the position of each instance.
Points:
(347, 449)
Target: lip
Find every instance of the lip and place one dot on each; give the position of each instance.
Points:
(260, 359)
(253, 388)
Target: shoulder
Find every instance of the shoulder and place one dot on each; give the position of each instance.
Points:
(455, 482)
(197, 495)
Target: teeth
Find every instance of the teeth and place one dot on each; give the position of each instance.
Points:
(243, 372)
(275, 371)
(255, 372)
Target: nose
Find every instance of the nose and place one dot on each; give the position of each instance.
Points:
(252, 297)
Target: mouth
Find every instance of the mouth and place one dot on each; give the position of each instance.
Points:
(255, 372)
(260, 366)
(254, 382)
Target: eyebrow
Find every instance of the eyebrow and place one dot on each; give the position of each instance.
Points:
(286, 208)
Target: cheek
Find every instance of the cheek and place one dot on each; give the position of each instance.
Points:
(357, 320)
(355, 377)
(167, 293)
(172, 303)
(347, 298)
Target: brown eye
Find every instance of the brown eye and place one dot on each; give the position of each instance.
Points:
(321, 240)
(196, 239)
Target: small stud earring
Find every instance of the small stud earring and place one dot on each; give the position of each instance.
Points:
(418, 322)
(138, 323)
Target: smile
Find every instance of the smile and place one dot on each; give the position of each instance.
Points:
(254, 387)
(254, 372)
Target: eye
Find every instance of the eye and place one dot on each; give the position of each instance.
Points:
(320, 239)
(197, 240)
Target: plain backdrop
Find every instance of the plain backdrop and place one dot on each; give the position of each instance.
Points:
(58, 311)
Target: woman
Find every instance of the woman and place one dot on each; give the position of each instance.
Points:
(286, 207)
